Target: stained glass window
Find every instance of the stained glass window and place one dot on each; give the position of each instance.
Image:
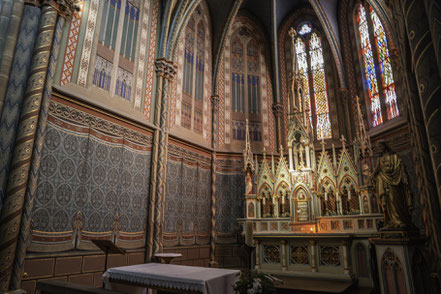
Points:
(323, 124)
(376, 60)
(246, 80)
(305, 29)
(238, 89)
(200, 62)
(189, 57)
(253, 78)
(387, 77)
(192, 104)
(369, 67)
(302, 61)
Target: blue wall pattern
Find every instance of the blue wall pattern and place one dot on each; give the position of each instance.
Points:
(92, 172)
(188, 198)
(230, 189)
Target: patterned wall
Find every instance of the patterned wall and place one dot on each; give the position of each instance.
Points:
(104, 176)
(230, 188)
(188, 193)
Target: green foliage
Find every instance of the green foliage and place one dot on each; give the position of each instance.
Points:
(253, 282)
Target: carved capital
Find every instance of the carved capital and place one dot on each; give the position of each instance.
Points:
(277, 109)
(165, 68)
(395, 58)
(64, 7)
(215, 102)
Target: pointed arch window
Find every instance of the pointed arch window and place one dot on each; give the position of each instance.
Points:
(193, 77)
(117, 46)
(245, 85)
(309, 53)
(377, 67)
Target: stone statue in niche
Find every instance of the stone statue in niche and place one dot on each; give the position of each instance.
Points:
(248, 184)
(392, 188)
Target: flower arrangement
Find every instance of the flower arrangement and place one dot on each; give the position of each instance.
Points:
(254, 282)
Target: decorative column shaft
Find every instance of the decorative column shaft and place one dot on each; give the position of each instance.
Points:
(312, 244)
(258, 245)
(284, 261)
(278, 110)
(214, 108)
(15, 92)
(344, 246)
(166, 72)
(25, 236)
(291, 167)
(21, 159)
(11, 17)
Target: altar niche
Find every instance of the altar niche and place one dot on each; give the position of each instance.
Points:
(301, 205)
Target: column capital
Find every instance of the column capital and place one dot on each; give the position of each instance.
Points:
(277, 109)
(64, 7)
(165, 68)
(215, 102)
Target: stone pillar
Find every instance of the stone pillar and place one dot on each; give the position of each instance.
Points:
(291, 167)
(15, 92)
(360, 201)
(344, 247)
(307, 153)
(166, 72)
(312, 246)
(258, 246)
(283, 255)
(296, 159)
(278, 110)
(214, 108)
(17, 208)
(10, 25)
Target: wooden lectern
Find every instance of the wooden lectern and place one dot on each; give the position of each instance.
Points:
(108, 247)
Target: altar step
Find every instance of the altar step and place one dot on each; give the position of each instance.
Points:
(298, 285)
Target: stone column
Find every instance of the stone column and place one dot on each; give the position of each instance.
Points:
(10, 25)
(278, 110)
(360, 201)
(312, 247)
(257, 266)
(18, 202)
(296, 159)
(307, 153)
(283, 255)
(291, 167)
(344, 246)
(166, 72)
(15, 92)
(214, 108)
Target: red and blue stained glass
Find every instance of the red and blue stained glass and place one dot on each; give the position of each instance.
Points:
(369, 68)
(385, 66)
(319, 85)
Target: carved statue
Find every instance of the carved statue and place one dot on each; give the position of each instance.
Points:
(248, 184)
(392, 188)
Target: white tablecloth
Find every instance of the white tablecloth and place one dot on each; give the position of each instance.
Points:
(189, 278)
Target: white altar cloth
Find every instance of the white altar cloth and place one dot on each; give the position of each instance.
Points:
(172, 276)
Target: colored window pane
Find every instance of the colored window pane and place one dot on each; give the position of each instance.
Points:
(387, 77)
(303, 69)
(200, 65)
(305, 29)
(189, 58)
(369, 68)
(319, 85)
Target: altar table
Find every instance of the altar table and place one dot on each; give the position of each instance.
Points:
(174, 277)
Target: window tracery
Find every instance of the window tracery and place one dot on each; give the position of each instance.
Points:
(311, 66)
(116, 55)
(377, 67)
(245, 85)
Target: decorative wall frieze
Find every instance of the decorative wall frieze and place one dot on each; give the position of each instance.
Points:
(81, 117)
